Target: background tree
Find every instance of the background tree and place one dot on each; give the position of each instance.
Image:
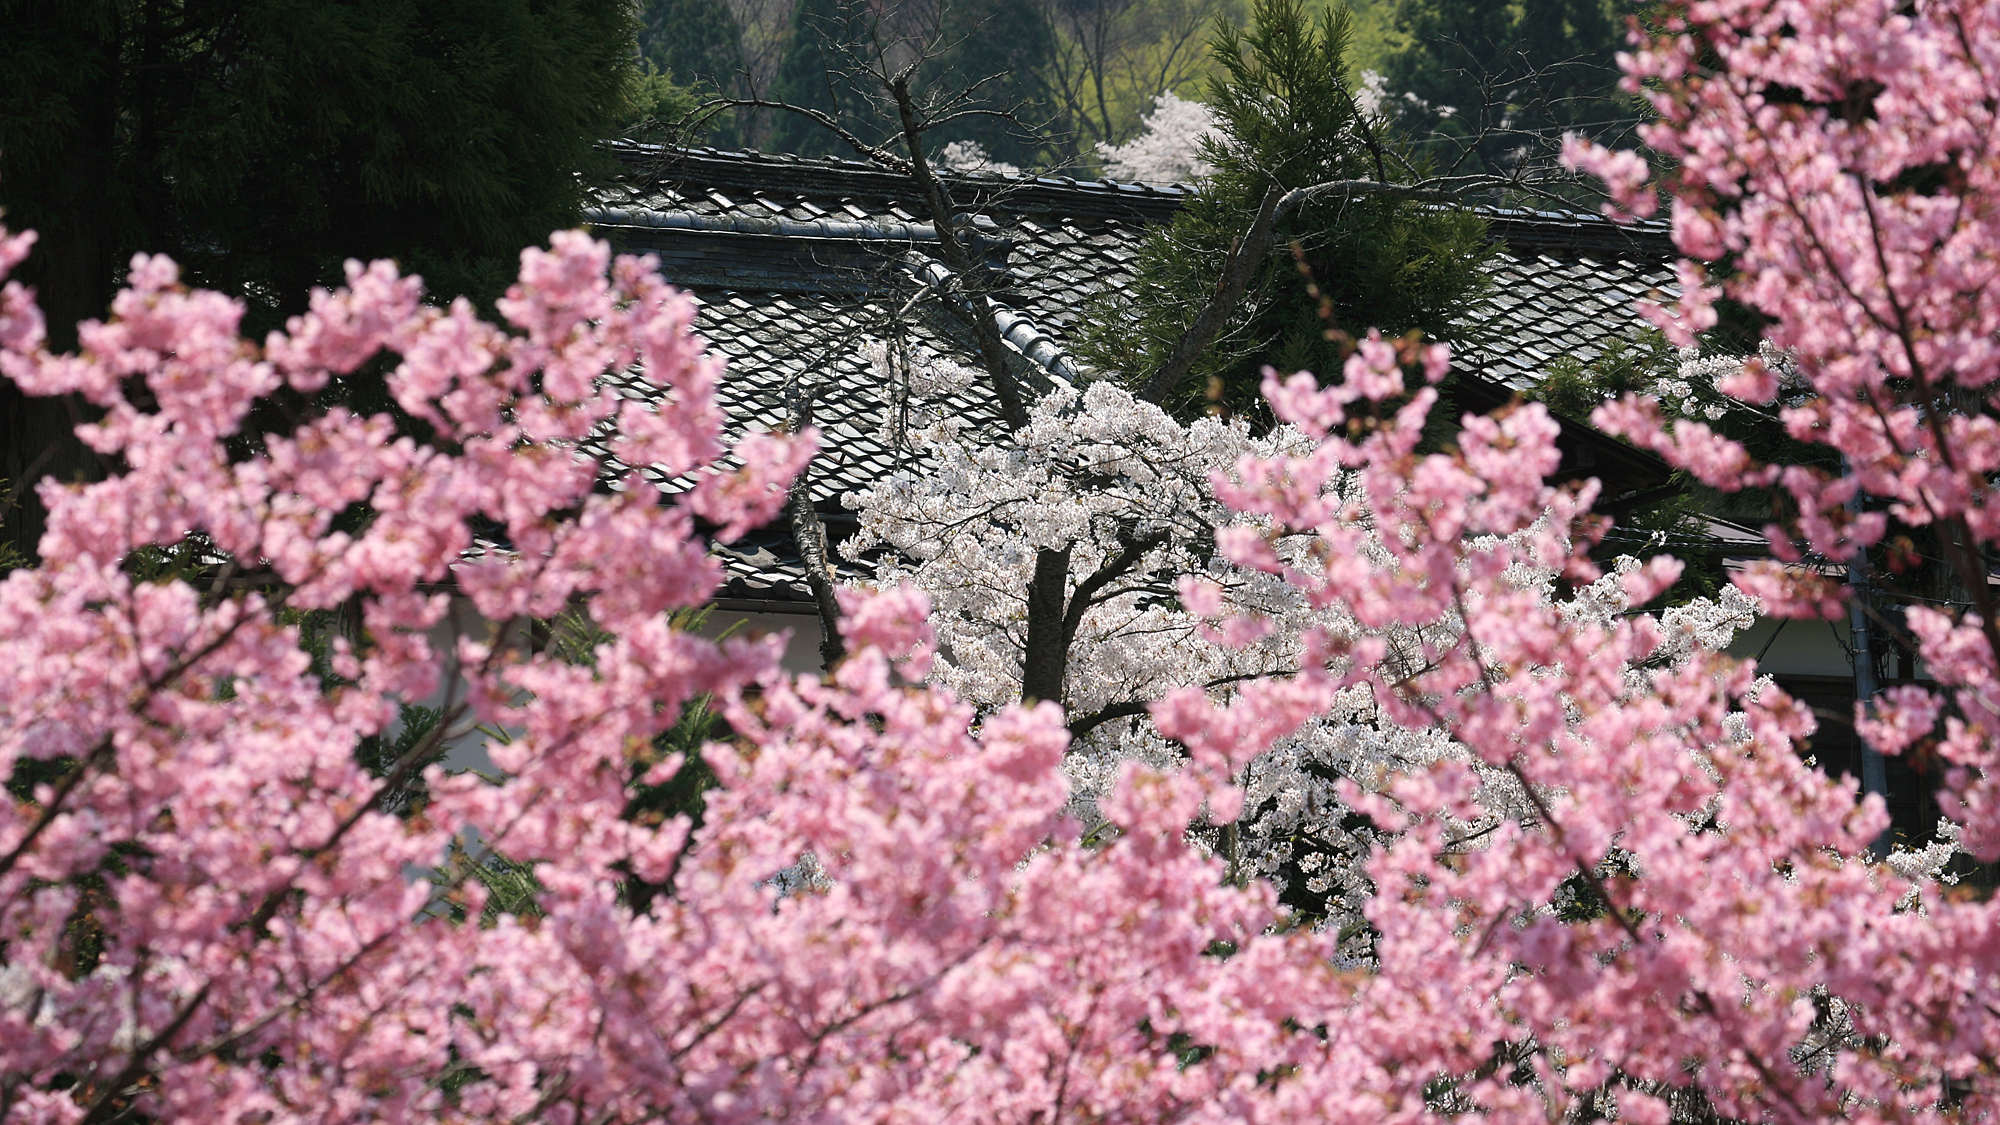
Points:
(1113, 57)
(997, 54)
(824, 70)
(691, 51)
(1128, 498)
(978, 66)
(1169, 146)
(265, 142)
(1287, 121)
(1485, 87)
(695, 41)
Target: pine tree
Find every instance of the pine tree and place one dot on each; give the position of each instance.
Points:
(1287, 120)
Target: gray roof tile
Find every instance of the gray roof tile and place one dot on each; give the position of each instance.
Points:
(793, 306)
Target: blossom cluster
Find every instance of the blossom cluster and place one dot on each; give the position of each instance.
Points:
(210, 912)
(1095, 472)
(1168, 146)
(214, 914)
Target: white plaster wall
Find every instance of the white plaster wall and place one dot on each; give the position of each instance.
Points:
(801, 632)
(1796, 648)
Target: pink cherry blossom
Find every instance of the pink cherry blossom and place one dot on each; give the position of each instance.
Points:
(1600, 874)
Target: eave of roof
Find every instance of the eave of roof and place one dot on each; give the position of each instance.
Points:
(779, 172)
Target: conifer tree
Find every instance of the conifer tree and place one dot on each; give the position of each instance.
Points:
(1496, 84)
(264, 142)
(1286, 120)
(691, 51)
(695, 41)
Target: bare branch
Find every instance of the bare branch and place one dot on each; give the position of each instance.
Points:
(824, 120)
(809, 534)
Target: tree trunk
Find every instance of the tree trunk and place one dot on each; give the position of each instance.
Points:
(809, 537)
(1045, 663)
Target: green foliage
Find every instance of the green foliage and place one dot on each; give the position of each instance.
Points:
(10, 555)
(994, 56)
(185, 560)
(691, 51)
(1675, 521)
(1670, 522)
(264, 142)
(1112, 58)
(661, 110)
(574, 638)
(695, 42)
(1375, 36)
(511, 888)
(1499, 83)
(379, 754)
(982, 72)
(1574, 389)
(1288, 120)
(831, 40)
(1684, 386)
(1577, 899)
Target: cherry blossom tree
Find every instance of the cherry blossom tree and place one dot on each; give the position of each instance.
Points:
(210, 915)
(1124, 494)
(213, 914)
(1837, 155)
(1169, 145)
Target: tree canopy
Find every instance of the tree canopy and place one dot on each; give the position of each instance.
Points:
(264, 142)
(1621, 890)
(1286, 119)
(1489, 85)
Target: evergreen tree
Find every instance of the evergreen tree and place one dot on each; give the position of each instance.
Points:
(997, 53)
(825, 68)
(1500, 83)
(662, 110)
(263, 142)
(1287, 120)
(691, 51)
(694, 41)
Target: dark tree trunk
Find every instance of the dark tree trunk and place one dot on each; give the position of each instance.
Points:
(1045, 663)
(809, 537)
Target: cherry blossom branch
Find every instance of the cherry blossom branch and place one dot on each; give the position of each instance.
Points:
(104, 1105)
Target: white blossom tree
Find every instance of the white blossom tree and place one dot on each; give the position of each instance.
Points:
(1126, 496)
(1168, 146)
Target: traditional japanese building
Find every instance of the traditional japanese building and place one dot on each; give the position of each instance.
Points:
(801, 264)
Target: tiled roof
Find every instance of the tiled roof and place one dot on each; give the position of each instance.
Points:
(1563, 285)
(797, 262)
